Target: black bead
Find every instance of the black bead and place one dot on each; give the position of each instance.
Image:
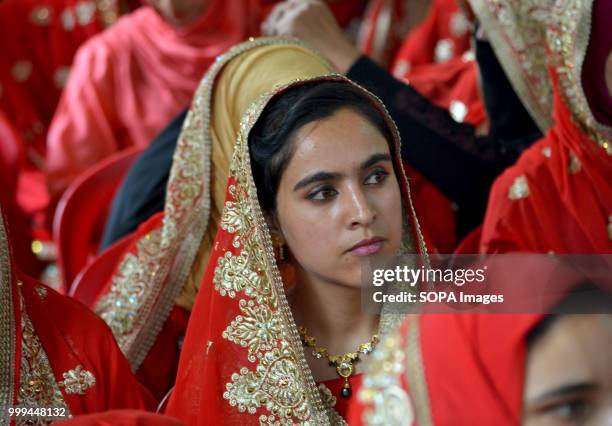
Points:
(346, 392)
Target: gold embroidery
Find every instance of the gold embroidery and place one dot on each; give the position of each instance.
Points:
(22, 70)
(77, 381)
(41, 291)
(108, 11)
(273, 385)
(328, 398)
(67, 18)
(85, 11)
(119, 307)
(517, 32)
(458, 110)
(38, 387)
(568, 39)
(60, 77)
(444, 50)
(574, 166)
(386, 401)
(459, 25)
(519, 188)
(8, 328)
(41, 15)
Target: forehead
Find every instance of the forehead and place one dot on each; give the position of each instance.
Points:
(576, 348)
(344, 140)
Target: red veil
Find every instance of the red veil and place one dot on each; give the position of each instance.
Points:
(55, 352)
(558, 197)
(243, 361)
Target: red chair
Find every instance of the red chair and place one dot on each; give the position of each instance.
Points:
(82, 211)
(91, 280)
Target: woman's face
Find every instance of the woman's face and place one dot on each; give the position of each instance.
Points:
(179, 13)
(569, 373)
(339, 200)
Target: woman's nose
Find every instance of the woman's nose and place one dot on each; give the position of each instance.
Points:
(360, 208)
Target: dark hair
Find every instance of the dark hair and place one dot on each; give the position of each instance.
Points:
(270, 141)
(586, 298)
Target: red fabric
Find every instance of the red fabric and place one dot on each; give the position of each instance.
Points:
(72, 335)
(564, 212)
(481, 382)
(122, 418)
(44, 36)
(442, 23)
(127, 83)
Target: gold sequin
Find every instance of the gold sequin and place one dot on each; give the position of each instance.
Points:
(459, 25)
(401, 68)
(85, 12)
(67, 18)
(574, 166)
(60, 77)
(77, 381)
(41, 291)
(41, 15)
(458, 110)
(519, 188)
(21, 71)
(547, 151)
(38, 387)
(444, 50)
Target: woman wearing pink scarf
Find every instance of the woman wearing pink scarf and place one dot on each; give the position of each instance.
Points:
(129, 81)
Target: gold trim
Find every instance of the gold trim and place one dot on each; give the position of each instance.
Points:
(568, 39)
(517, 32)
(415, 373)
(8, 328)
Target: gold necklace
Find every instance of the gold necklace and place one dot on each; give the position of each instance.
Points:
(344, 363)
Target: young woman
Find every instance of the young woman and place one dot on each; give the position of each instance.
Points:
(503, 369)
(315, 188)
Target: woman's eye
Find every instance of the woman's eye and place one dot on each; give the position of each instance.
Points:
(322, 193)
(571, 412)
(375, 177)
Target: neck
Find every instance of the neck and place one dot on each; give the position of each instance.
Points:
(332, 314)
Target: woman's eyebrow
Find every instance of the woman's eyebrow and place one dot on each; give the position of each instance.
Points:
(375, 158)
(315, 177)
(322, 176)
(566, 390)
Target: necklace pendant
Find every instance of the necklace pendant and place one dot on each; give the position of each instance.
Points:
(346, 391)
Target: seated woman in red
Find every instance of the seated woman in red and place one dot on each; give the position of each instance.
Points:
(57, 354)
(316, 186)
(558, 196)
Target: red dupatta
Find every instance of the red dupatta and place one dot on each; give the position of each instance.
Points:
(56, 353)
(558, 197)
(243, 361)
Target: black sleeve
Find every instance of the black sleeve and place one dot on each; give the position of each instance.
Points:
(143, 191)
(447, 153)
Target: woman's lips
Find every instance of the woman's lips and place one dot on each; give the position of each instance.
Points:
(367, 247)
